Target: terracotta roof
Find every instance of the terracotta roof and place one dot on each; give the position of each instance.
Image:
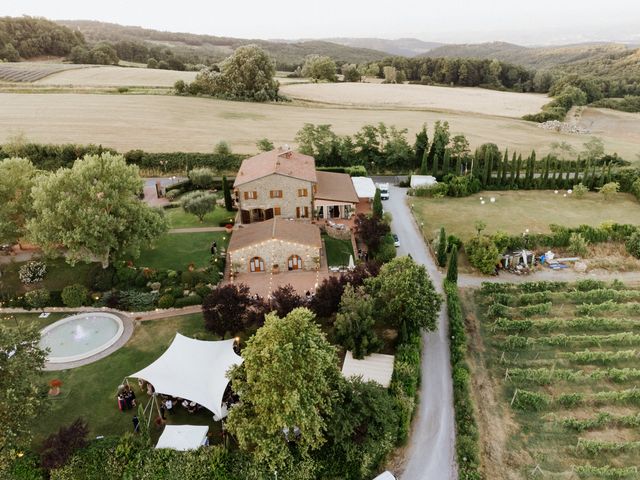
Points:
(278, 229)
(281, 161)
(335, 186)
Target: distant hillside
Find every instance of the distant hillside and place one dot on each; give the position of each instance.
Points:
(532, 57)
(405, 47)
(210, 48)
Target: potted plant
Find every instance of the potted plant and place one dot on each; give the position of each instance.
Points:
(55, 385)
(228, 228)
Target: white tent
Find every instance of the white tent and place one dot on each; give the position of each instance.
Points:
(365, 188)
(183, 437)
(194, 370)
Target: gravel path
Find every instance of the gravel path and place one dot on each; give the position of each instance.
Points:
(430, 454)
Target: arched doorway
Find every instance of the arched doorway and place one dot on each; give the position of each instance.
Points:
(256, 264)
(294, 262)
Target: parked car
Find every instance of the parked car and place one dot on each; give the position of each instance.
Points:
(386, 475)
(396, 240)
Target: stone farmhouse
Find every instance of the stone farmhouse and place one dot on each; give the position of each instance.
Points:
(281, 197)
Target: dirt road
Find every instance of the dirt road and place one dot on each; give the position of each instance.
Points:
(430, 454)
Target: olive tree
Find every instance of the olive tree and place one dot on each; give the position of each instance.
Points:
(319, 67)
(198, 203)
(17, 178)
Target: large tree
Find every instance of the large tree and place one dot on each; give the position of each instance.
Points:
(93, 211)
(226, 308)
(405, 296)
(287, 386)
(319, 67)
(17, 177)
(21, 388)
(247, 74)
(371, 230)
(355, 321)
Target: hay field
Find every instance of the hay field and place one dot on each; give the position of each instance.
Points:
(460, 99)
(112, 76)
(603, 121)
(517, 210)
(159, 123)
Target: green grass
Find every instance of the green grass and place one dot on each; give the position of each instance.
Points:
(179, 219)
(338, 251)
(177, 250)
(515, 211)
(59, 275)
(90, 391)
(12, 320)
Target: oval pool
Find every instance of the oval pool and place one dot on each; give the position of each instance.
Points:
(80, 336)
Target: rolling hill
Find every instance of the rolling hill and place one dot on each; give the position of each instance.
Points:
(534, 57)
(214, 48)
(405, 47)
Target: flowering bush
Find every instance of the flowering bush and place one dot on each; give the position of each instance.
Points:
(32, 272)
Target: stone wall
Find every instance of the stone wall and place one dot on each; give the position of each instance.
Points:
(287, 203)
(274, 252)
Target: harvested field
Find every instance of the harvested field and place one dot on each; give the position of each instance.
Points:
(33, 71)
(603, 121)
(515, 211)
(460, 99)
(559, 385)
(160, 123)
(112, 76)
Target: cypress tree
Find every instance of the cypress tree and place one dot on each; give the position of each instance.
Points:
(485, 171)
(435, 165)
(420, 146)
(377, 204)
(513, 169)
(567, 173)
(446, 163)
(228, 203)
(586, 180)
(518, 167)
(608, 173)
(505, 163)
(576, 173)
(452, 270)
(424, 167)
(441, 253)
(431, 156)
(458, 166)
(545, 176)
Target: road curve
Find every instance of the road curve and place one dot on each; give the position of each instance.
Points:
(430, 453)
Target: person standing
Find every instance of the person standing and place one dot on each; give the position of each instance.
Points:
(136, 423)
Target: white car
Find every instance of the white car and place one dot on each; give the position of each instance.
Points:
(396, 240)
(386, 475)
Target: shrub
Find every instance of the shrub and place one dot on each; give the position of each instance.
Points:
(102, 279)
(75, 295)
(188, 301)
(59, 447)
(577, 244)
(635, 188)
(580, 190)
(136, 301)
(37, 298)
(589, 284)
(32, 272)
(203, 177)
(633, 244)
(609, 190)
(166, 301)
(483, 254)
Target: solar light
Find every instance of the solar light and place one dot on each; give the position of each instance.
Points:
(555, 191)
(482, 202)
(492, 199)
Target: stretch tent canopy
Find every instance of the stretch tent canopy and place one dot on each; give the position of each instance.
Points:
(194, 370)
(183, 437)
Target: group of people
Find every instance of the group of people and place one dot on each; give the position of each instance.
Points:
(126, 398)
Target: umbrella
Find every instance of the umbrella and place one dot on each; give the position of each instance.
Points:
(352, 265)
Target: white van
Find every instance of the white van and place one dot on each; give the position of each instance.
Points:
(384, 191)
(386, 475)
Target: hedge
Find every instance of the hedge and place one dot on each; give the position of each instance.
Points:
(467, 439)
(405, 383)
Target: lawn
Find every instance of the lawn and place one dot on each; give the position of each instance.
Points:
(179, 219)
(89, 391)
(516, 211)
(338, 251)
(177, 250)
(554, 379)
(59, 275)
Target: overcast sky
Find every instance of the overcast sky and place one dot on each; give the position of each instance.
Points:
(533, 22)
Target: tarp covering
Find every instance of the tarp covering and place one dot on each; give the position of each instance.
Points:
(377, 367)
(365, 188)
(183, 437)
(194, 370)
(422, 181)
